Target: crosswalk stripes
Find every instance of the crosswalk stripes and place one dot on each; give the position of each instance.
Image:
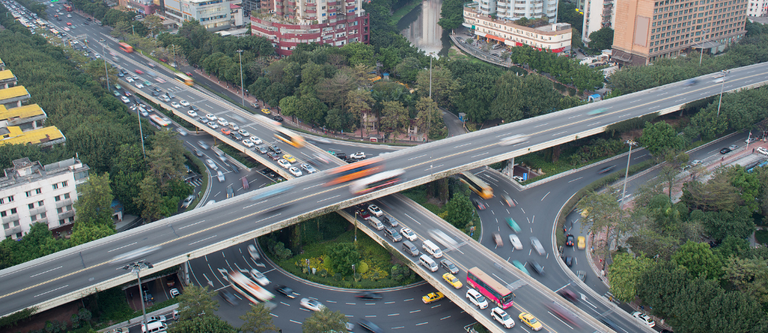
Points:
(195, 182)
(610, 297)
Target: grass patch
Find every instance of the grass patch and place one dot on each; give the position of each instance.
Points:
(761, 236)
(202, 171)
(400, 13)
(239, 156)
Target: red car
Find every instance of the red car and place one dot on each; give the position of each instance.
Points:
(127, 94)
(151, 64)
(138, 71)
(364, 214)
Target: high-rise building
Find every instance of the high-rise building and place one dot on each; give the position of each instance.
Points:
(213, 15)
(646, 30)
(288, 23)
(551, 37)
(758, 8)
(598, 14)
(516, 9)
(33, 193)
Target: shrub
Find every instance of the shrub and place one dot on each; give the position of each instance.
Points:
(362, 268)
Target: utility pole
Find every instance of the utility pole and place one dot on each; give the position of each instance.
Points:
(242, 89)
(429, 113)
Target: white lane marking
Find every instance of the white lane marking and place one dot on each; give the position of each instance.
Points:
(393, 314)
(413, 158)
(414, 311)
(478, 155)
(267, 218)
(544, 124)
(202, 240)
(573, 180)
(124, 246)
(542, 199)
(50, 291)
(558, 133)
(306, 188)
(414, 220)
(424, 323)
(336, 196)
(466, 144)
(593, 124)
(50, 270)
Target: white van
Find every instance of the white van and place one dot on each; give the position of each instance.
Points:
(375, 223)
(428, 263)
(431, 248)
(154, 327)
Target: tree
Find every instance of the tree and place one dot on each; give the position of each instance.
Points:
(459, 211)
(84, 232)
(324, 320)
(699, 259)
(359, 102)
(203, 324)
(625, 273)
(735, 312)
(154, 24)
(722, 224)
(748, 275)
(360, 53)
(197, 302)
(149, 199)
(660, 137)
(748, 185)
(693, 299)
(452, 14)
(429, 117)
(166, 159)
(444, 86)
(94, 204)
(718, 194)
(257, 320)
(605, 214)
(674, 163)
(601, 39)
(659, 285)
(394, 119)
(343, 256)
(408, 68)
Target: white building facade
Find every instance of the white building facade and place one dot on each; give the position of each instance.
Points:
(214, 15)
(597, 14)
(512, 10)
(757, 8)
(33, 193)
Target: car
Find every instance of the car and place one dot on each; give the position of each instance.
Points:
(497, 239)
(275, 149)
(595, 112)
(539, 269)
(581, 275)
(194, 108)
(369, 295)
(308, 168)
(719, 80)
(569, 240)
(210, 117)
(762, 150)
(287, 292)
(175, 105)
(174, 292)
(606, 169)
(155, 93)
(135, 77)
(432, 297)
(262, 149)
(183, 102)
(476, 298)
(520, 266)
(408, 234)
(289, 158)
(253, 252)
(581, 242)
(725, 151)
(139, 85)
(138, 71)
(569, 295)
(295, 171)
(515, 241)
(152, 319)
(212, 125)
(750, 139)
(125, 99)
(143, 112)
(387, 221)
(392, 234)
(127, 94)
(452, 280)
(181, 131)
(128, 78)
(147, 83)
(229, 297)
(370, 326)
(502, 317)
(243, 132)
(364, 214)
(531, 321)
(283, 163)
(150, 64)
(220, 176)
(644, 318)
(273, 156)
(508, 200)
(478, 204)
(733, 147)
(312, 304)
(192, 113)
(203, 145)
(265, 111)
(247, 143)
(512, 224)
(211, 164)
(375, 210)
(358, 155)
(537, 245)
(225, 131)
(277, 118)
(223, 122)
(258, 276)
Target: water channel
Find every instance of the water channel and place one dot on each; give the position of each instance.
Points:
(420, 27)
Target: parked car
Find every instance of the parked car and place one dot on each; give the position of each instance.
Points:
(725, 150)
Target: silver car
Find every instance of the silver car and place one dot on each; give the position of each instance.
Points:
(221, 176)
(537, 245)
(259, 277)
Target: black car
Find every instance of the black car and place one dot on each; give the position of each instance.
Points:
(606, 169)
(237, 136)
(288, 292)
(478, 204)
(229, 297)
(539, 269)
(569, 295)
(277, 118)
(569, 240)
(568, 261)
(370, 326)
(194, 108)
(368, 295)
(273, 156)
(449, 266)
(725, 150)
(275, 149)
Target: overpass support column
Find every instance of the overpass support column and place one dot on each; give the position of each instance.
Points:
(510, 168)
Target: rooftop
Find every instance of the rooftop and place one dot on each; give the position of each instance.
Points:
(14, 136)
(25, 171)
(7, 75)
(26, 111)
(13, 92)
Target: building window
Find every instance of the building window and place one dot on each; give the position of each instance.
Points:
(66, 195)
(31, 206)
(13, 211)
(69, 207)
(61, 222)
(10, 199)
(3, 214)
(64, 184)
(2, 201)
(43, 215)
(55, 186)
(59, 210)
(6, 226)
(57, 198)
(38, 191)
(28, 193)
(40, 203)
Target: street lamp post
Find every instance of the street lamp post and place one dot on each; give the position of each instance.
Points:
(242, 89)
(355, 226)
(136, 267)
(719, 102)
(626, 172)
(133, 29)
(106, 72)
(429, 114)
(701, 50)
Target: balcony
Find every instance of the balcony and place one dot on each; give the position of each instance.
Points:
(310, 11)
(310, 4)
(331, 3)
(62, 203)
(67, 214)
(11, 218)
(12, 231)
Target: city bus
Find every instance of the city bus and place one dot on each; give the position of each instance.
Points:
(376, 182)
(125, 47)
(476, 185)
(248, 288)
(158, 120)
(184, 79)
(355, 170)
(289, 137)
(490, 288)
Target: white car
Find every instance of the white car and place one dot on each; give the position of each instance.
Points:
(408, 234)
(502, 317)
(174, 292)
(375, 210)
(213, 125)
(248, 143)
(211, 164)
(192, 113)
(175, 105)
(152, 319)
(762, 150)
(295, 171)
(475, 298)
(210, 117)
(139, 85)
(244, 132)
(223, 122)
(252, 251)
(255, 139)
(220, 175)
(183, 102)
(308, 168)
(135, 77)
(515, 241)
(358, 155)
(283, 163)
(312, 304)
(537, 245)
(259, 277)
(129, 79)
(125, 99)
(644, 318)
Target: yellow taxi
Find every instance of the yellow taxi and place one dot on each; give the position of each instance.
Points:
(289, 158)
(531, 321)
(265, 111)
(432, 297)
(452, 280)
(581, 242)
(585, 212)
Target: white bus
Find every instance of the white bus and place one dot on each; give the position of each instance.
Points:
(248, 288)
(162, 122)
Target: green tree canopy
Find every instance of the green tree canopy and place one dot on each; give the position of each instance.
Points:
(343, 256)
(257, 320)
(660, 137)
(324, 320)
(197, 302)
(601, 39)
(202, 324)
(699, 259)
(625, 273)
(94, 204)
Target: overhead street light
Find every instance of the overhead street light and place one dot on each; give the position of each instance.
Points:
(136, 267)
(242, 89)
(626, 172)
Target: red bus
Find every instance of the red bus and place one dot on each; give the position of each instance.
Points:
(490, 288)
(68, 7)
(125, 47)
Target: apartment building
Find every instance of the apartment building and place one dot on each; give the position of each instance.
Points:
(758, 8)
(33, 193)
(598, 14)
(552, 37)
(647, 30)
(214, 15)
(293, 22)
(516, 9)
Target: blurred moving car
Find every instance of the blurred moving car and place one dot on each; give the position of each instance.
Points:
(537, 246)
(312, 304)
(370, 326)
(369, 295)
(515, 241)
(497, 239)
(258, 277)
(229, 297)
